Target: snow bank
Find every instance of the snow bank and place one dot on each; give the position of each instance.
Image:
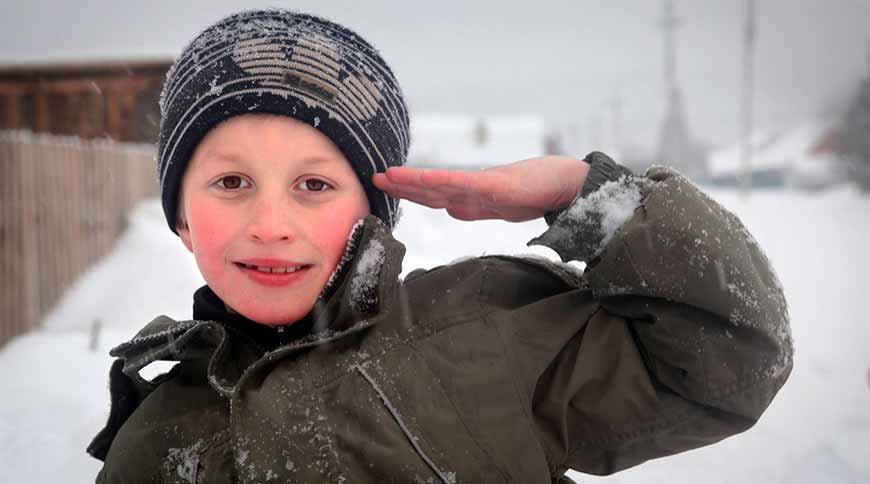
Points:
(55, 399)
(150, 272)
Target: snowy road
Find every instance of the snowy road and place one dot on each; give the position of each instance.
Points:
(817, 430)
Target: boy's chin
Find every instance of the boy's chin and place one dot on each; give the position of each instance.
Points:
(274, 318)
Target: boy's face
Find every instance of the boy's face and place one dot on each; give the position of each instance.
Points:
(268, 203)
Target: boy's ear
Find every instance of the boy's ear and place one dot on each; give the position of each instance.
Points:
(183, 233)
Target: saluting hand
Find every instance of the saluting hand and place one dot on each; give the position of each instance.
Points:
(516, 192)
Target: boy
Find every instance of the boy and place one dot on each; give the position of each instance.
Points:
(282, 140)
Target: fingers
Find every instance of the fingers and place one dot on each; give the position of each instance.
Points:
(417, 184)
(459, 203)
(403, 175)
(470, 212)
(465, 195)
(448, 184)
(430, 198)
(452, 180)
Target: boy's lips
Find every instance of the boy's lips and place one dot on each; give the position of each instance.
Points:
(273, 272)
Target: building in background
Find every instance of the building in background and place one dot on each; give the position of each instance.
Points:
(112, 99)
(804, 156)
(853, 137)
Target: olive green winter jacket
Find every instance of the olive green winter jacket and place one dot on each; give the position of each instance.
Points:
(491, 370)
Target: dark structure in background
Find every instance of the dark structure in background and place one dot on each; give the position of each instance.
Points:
(677, 147)
(854, 135)
(117, 100)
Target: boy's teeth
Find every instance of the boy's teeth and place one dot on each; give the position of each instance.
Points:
(278, 270)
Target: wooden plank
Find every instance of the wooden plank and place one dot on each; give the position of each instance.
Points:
(8, 282)
(74, 222)
(18, 274)
(15, 275)
(42, 223)
(28, 227)
(128, 111)
(11, 115)
(11, 88)
(88, 205)
(43, 227)
(58, 222)
(103, 198)
(41, 121)
(57, 200)
(111, 95)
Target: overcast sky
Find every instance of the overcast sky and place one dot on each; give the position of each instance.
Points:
(564, 60)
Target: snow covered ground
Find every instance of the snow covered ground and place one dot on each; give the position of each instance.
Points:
(817, 430)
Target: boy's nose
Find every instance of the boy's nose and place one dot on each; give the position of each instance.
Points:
(271, 222)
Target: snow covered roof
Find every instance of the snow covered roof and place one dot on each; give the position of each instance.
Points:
(772, 149)
(472, 141)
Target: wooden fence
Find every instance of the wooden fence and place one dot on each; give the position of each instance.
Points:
(63, 203)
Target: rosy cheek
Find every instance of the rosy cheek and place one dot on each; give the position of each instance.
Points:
(334, 238)
(210, 233)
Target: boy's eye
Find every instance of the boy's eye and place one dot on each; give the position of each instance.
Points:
(314, 185)
(232, 182)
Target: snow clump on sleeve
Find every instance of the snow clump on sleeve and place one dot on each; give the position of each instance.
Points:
(611, 206)
(363, 286)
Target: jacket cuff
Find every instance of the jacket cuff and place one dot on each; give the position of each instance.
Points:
(602, 169)
(608, 198)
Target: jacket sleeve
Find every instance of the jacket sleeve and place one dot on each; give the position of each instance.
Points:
(688, 338)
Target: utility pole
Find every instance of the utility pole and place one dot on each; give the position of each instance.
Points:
(749, 35)
(669, 24)
(675, 142)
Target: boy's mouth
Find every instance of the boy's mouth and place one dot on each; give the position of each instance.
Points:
(273, 270)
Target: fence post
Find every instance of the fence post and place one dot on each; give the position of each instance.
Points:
(8, 247)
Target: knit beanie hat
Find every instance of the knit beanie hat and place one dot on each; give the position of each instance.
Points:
(291, 64)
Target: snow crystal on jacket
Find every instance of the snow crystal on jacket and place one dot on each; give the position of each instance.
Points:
(365, 280)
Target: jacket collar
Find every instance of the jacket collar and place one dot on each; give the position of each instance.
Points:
(365, 280)
(361, 292)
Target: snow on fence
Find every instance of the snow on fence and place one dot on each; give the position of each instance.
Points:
(63, 202)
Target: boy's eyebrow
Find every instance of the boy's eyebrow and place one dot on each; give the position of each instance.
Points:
(322, 160)
(233, 157)
(221, 155)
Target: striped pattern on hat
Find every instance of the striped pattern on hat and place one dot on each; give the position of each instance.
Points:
(298, 65)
